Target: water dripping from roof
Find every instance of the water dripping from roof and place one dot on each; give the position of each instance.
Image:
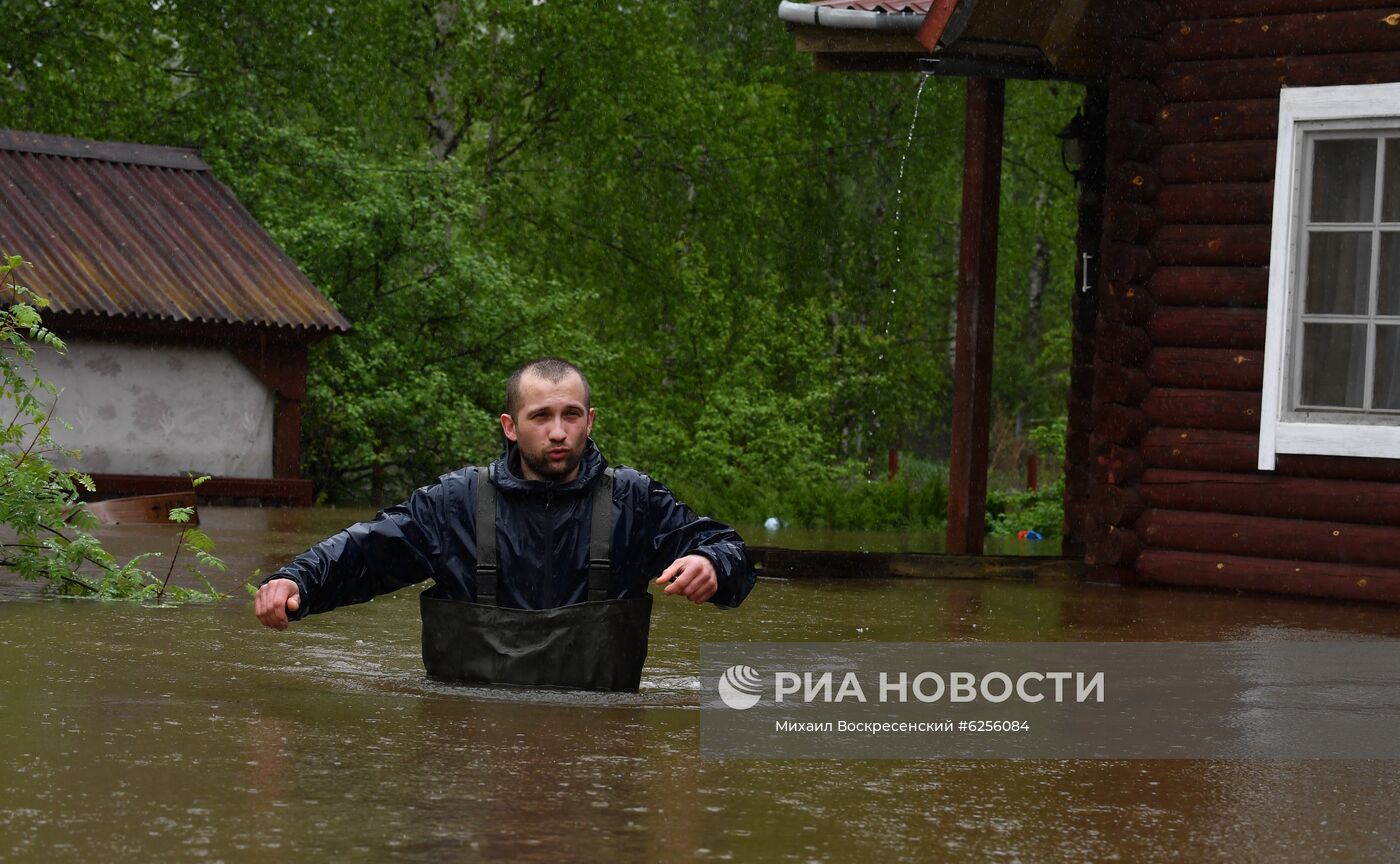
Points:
(899, 204)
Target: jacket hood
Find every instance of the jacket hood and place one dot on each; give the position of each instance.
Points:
(508, 476)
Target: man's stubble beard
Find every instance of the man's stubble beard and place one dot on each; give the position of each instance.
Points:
(542, 469)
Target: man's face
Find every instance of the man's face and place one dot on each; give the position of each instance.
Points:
(551, 427)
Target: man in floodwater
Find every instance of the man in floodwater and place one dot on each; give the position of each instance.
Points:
(557, 593)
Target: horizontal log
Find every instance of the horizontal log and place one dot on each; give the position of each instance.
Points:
(1205, 368)
(1125, 262)
(1217, 162)
(1211, 245)
(1238, 453)
(1129, 222)
(1200, 450)
(1190, 327)
(1124, 385)
(1216, 204)
(1236, 410)
(1209, 80)
(1133, 141)
(1306, 578)
(1210, 286)
(1261, 494)
(1338, 468)
(1132, 101)
(1264, 537)
(1127, 304)
(1132, 181)
(1123, 346)
(1326, 70)
(1346, 32)
(1237, 120)
(1192, 10)
(1119, 424)
(1115, 505)
(1261, 78)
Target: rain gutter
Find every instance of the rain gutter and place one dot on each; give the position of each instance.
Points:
(847, 19)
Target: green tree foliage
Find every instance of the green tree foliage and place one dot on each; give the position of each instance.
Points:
(755, 262)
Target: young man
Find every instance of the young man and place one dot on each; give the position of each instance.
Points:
(556, 593)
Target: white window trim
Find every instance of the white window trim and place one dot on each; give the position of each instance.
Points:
(1298, 105)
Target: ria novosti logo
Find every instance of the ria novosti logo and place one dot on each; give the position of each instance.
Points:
(740, 687)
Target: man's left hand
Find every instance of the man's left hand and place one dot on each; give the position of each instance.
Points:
(692, 576)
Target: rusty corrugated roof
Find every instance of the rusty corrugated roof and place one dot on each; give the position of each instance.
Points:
(911, 7)
(136, 231)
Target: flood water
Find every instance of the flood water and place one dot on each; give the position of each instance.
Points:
(133, 733)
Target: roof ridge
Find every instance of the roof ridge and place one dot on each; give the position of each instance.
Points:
(152, 155)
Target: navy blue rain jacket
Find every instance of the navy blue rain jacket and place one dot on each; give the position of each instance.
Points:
(541, 541)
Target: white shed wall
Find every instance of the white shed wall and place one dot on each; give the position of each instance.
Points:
(138, 409)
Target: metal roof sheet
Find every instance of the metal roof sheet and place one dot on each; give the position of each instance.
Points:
(136, 231)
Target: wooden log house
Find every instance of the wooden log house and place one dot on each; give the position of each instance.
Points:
(1234, 408)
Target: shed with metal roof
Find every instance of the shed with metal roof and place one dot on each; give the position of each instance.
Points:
(187, 324)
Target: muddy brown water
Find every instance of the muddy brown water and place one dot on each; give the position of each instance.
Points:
(134, 733)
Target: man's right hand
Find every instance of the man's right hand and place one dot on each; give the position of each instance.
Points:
(274, 600)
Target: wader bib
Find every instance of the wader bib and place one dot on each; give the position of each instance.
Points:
(600, 644)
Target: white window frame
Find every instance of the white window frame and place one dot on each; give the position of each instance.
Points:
(1302, 110)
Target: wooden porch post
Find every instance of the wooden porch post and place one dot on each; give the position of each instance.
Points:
(977, 283)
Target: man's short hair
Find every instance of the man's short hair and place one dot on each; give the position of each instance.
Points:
(551, 369)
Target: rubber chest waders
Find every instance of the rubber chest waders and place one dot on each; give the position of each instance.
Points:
(600, 644)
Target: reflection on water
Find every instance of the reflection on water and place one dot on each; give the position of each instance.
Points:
(170, 734)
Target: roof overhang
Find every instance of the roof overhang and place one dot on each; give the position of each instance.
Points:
(1061, 39)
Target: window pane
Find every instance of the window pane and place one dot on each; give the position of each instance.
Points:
(1334, 365)
(1390, 201)
(1339, 271)
(1389, 301)
(1387, 393)
(1344, 180)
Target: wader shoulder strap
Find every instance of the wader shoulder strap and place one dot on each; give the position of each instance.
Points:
(599, 536)
(485, 533)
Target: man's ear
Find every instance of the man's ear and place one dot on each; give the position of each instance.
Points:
(508, 426)
(591, 415)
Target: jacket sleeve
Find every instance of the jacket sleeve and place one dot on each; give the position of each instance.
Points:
(399, 547)
(676, 532)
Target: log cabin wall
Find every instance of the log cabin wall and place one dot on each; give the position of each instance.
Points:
(1175, 496)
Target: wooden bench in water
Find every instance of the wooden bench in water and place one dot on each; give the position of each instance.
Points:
(803, 563)
(142, 509)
